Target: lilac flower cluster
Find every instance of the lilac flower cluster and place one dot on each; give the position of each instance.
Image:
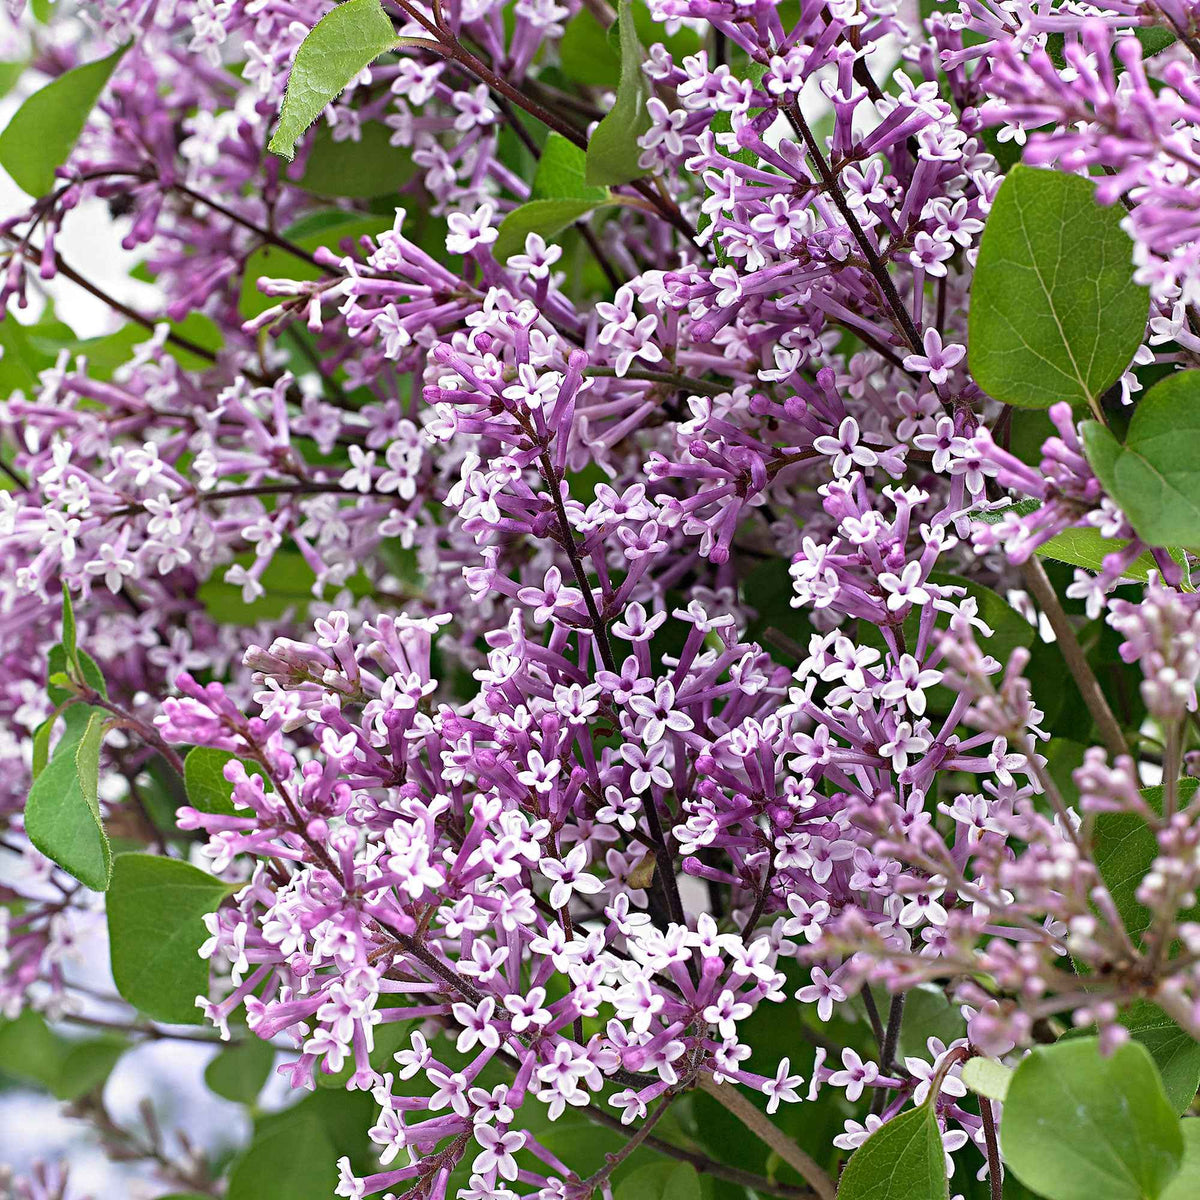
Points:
(655, 652)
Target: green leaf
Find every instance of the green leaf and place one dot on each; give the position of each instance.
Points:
(1154, 477)
(19, 361)
(561, 173)
(613, 152)
(587, 56)
(722, 122)
(389, 1038)
(44, 130)
(239, 1072)
(661, 1181)
(1124, 847)
(1175, 1052)
(545, 217)
(62, 815)
(56, 665)
(156, 909)
(87, 761)
(32, 1052)
(1186, 1185)
(987, 1077)
(10, 71)
(68, 634)
(1055, 314)
(41, 742)
(1079, 546)
(1155, 39)
(360, 170)
(87, 1064)
(901, 1160)
(287, 583)
(336, 49)
(1078, 1125)
(204, 777)
(295, 1160)
(927, 1013)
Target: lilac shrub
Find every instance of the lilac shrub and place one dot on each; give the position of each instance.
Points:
(626, 623)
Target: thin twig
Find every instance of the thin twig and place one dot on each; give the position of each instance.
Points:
(1089, 686)
(878, 270)
(995, 1171)
(727, 1095)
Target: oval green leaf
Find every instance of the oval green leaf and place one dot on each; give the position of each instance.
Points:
(1055, 314)
(336, 49)
(62, 815)
(901, 1160)
(1155, 476)
(1124, 848)
(204, 778)
(359, 170)
(1186, 1185)
(545, 217)
(613, 151)
(156, 909)
(562, 173)
(1078, 1125)
(293, 1160)
(44, 130)
(239, 1072)
(660, 1181)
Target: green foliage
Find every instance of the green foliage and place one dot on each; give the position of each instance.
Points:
(44, 130)
(388, 1039)
(927, 1013)
(156, 909)
(104, 354)
(545, 217)
(293, 1159)
(1124, 847)
(661, 1181)
(359, 170)
(70, 649)
(203, 775)
(1078, 1125)
(588, 57)
(987, 1077)
(561, 196)
(1175, 1052)
(287, 583)
(902, 1160)
(1055, 314)
(1077, 546)
(1154, 477)
(722, 122)
(62, 814)
(56, 666)
(239, 1072)
(613, 152)
(1186, 1185)
(336, 49)
(562, 173)
(32, 1052)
